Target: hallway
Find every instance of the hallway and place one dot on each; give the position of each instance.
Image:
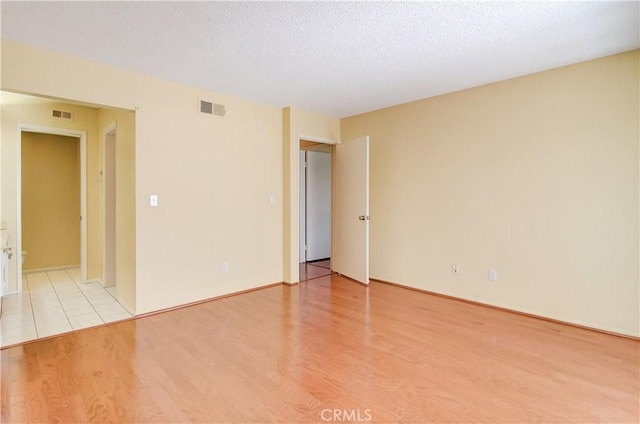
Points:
(56, 302)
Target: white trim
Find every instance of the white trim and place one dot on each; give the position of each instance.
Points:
(53, 268)
(83, 206)
(315, 140)
(82, 135)
(111, 128)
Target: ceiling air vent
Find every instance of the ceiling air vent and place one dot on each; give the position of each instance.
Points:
(210, 108)
(61, 114)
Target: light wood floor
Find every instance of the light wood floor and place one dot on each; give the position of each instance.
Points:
(311, 270)
(286, 354)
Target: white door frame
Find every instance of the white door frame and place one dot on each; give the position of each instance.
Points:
(111, 128)
(82, 136)
(297, 183)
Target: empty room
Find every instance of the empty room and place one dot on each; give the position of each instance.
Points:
(286, 212)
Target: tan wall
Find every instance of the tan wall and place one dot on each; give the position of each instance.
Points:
(31, 111)
(298, 123)
(213, 176)
(124, 199)
(50, 200)
(536, 177)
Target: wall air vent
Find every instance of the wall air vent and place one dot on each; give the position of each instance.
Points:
(210, 108)
(62, 114)
(206, 107)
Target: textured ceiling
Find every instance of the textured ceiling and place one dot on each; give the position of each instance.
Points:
(332, 57)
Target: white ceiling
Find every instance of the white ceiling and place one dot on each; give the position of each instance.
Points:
(331, 57)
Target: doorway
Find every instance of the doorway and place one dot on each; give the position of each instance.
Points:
(51, 206)
(60, 300)
(315, 206)
(350, 209)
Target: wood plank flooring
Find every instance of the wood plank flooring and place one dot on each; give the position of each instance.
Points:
(311, 270)
(325, 347)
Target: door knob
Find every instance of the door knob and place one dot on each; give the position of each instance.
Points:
(364, 218)
(8, 251)
(361, 217)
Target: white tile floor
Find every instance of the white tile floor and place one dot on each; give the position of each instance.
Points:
(56, 302)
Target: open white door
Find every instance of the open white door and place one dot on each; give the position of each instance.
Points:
(351, 246)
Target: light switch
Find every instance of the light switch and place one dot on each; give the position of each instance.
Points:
(153, 200)
(272, 199)
(493, 275)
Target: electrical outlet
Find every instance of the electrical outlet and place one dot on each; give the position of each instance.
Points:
(493, 275)
(225, 267)
(455, 269)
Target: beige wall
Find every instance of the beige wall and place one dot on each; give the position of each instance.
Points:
(50, 200)
(536, 177)
(18, 110)
(298, 123)
(213, 176)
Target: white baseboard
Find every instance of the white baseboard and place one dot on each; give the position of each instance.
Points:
(54, 268)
